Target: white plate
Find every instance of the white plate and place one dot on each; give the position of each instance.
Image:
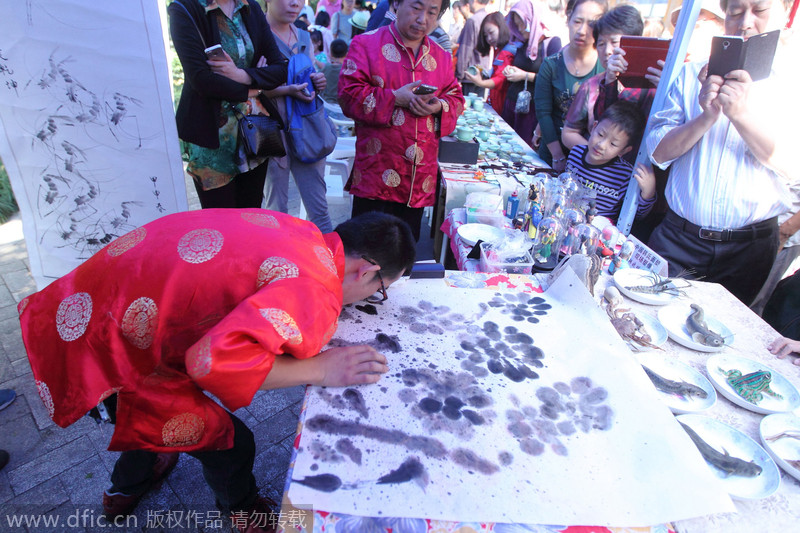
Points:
(472, 233)
(676, 371)
(781, 385)
(673, 318)
(785, 448)
(653, 327)
(721, 436)
(631, 277)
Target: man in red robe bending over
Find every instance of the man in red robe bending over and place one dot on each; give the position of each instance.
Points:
(225, 301)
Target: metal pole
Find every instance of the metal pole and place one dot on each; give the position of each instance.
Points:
(675, 58)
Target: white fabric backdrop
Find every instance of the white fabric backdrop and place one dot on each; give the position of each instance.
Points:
(87, 128)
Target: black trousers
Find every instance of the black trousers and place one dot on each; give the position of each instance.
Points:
(229, 473)
(412, 215)
(741, 266)
(245, 190)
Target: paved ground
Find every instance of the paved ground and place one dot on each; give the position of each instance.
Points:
(63, 472)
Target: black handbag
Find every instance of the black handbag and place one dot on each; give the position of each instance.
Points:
(259, 135)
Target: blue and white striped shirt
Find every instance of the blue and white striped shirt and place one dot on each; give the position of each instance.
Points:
(719, 183)
(610, 182)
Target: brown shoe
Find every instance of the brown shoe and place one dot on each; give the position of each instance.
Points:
(119, 504)
(261, 517)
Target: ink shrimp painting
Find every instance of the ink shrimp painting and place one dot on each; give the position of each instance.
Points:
(87, 125)
(504, 407)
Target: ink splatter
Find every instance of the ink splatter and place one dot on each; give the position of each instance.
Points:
(321, 482)
(505, 458)
(355, 400)
(346, 447)
(447, 394)
(520, 306)
(387, 343)
(411, 469)
(564, 410)
(368, 309)
(322, 452)
(509, 352)
(472, 461)
(337, 426)
(430, 405)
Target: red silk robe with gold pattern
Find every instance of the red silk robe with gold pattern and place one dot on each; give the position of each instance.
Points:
(193, 301)
(396, 150)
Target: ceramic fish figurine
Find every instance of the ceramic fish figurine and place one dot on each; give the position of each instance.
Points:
(732, 466)
(698, 329)
(681, 389)
(752, 386)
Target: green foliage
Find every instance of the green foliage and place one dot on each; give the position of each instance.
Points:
(8, 205)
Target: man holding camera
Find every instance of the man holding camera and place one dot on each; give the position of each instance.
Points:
(399, 87)
(728, 181)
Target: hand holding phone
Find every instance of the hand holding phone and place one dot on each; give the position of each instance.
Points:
(425, 89)
(215, 52)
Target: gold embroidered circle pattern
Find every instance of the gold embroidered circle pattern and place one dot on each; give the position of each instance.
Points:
(356, 176)
(198, 358)
(414, 154)
(126, 242)
(398, 117)
(445, 106)
(283, 323)
(350, 67)
(429, 63)
(373, 146)
(108, 393)
(72, 317)
(275, 268)
(23, 304)
(369, 103)
(429, 123)
(391, 178)
(261, 219)
(325, 257)
(391, 53)
(182, 430)
(428, 184)
(139, 322)
(200, 245)
(329, 334)
(378, 80)
(44, 394)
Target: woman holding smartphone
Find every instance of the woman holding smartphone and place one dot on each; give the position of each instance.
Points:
(248, 63)
(494, 35)
(562, 74)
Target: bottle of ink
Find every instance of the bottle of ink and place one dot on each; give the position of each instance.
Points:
(513, 205)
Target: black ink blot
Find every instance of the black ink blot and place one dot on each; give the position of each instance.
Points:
(430, 405)
(321, 482)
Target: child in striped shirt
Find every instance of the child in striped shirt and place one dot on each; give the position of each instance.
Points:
(599, 164)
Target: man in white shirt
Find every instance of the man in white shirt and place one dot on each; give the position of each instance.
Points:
(728, 181)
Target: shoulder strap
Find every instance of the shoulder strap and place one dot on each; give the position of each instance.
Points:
(193, 22)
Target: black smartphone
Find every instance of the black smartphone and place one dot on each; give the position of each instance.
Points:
(425, 89)
(754, 55)
(215, 52)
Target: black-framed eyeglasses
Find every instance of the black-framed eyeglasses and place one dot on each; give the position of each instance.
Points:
(374, 299)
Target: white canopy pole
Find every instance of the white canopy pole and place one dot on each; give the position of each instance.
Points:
(675, 57)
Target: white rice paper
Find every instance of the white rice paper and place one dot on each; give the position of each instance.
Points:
(635, 467)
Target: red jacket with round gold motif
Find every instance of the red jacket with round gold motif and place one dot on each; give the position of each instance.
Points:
(191, 302)
(396, 150)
